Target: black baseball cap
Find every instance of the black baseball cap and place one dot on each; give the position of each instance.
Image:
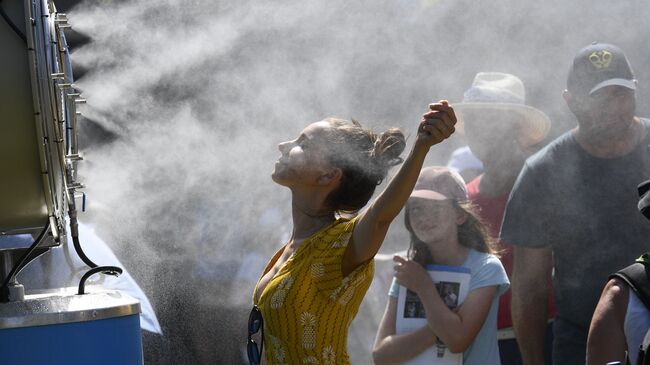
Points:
(599, 65)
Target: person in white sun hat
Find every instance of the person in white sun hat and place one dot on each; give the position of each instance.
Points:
(502, 132)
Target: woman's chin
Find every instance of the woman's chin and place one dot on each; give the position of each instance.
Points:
(430, 238)
(278, 179)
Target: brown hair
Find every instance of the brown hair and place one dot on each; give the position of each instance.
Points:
(364, 158)
(473, 233)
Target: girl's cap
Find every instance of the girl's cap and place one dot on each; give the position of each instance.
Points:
(440, 183)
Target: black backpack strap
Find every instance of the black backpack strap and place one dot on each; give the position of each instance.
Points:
(644, 200)
(637, 277)
(643, 359)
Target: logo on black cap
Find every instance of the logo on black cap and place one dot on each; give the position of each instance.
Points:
(599, 65)
(601, 59)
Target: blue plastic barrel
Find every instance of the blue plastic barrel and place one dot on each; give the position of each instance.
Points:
(62, 328)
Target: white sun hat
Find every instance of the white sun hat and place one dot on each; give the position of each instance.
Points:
(504, 92)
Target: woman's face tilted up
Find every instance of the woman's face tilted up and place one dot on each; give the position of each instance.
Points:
(433, 220)
(302, 160)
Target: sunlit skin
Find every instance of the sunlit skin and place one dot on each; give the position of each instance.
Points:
(302, 160)
(436, 223)
(606, 341)
(303, 168)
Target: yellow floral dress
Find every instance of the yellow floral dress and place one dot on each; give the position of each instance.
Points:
(308, 306)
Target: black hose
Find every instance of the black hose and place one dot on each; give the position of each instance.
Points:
(81, 254)
(12, 25)
(108, 270)
(74, 232)
(4, 290)
(68, 260)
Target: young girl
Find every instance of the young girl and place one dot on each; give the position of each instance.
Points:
(311, 289)
(445, 231)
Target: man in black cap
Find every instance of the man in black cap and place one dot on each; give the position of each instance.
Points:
(573, 208)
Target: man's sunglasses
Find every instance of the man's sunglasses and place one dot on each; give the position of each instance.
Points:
(255, 324)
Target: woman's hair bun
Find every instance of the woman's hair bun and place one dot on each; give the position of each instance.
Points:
(388, 147)
(364, 158)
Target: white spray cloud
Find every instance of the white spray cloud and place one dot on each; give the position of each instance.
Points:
(201, 92)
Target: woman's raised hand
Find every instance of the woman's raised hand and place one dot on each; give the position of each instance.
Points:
(411, 274)
(437, 124)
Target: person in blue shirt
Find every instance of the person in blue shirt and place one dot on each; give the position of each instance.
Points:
(445, 231)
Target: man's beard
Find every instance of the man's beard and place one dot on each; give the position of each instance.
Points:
(604, 129)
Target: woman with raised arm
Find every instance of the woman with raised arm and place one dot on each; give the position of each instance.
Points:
(311, 289)
(445, 230)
